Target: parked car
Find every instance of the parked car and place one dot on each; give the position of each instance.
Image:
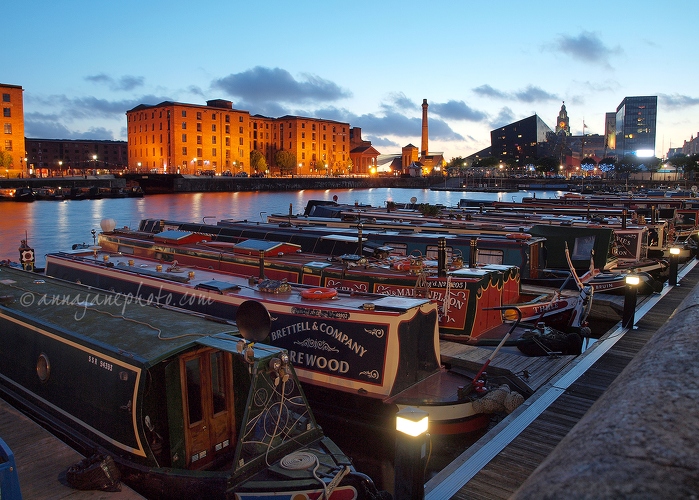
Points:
(241, 174)
(227, 173)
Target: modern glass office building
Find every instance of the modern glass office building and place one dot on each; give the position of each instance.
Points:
(635, 126)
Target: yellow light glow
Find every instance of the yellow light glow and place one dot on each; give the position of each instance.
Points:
(411, 421)
(674, 251)
(632, 279)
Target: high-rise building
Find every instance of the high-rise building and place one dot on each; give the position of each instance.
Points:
(635, 126)
(12, 144)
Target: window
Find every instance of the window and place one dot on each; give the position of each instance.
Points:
(227, 119)
(303, 145)
(240, 141)
(8, 128)
(184, 137)
(240, 119)
(6, 112)
(213, 116)
(198, 139)
(198, 115)
(213, 152)
(240, 130)
(213, 139)
(213, 127)
(184, 114)
(184, 125)
(6, 98)
(184, 150)
(228, 129)
(199, 154)
(198, 127)
(8, 144)
(303, 135)
(228, 141)
(490, 256)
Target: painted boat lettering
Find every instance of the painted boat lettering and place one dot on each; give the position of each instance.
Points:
(320, 313)
(320, 362)
(101, 363)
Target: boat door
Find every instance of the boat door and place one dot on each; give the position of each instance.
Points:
(207, 398)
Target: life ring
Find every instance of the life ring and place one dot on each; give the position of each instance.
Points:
(27, 255)
(319, 293)
(519, 236)
(402, 265)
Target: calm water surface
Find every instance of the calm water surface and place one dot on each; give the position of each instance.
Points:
(57, 225)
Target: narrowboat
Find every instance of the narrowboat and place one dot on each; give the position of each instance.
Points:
(356, 349)
(463, 292)
(186, 407)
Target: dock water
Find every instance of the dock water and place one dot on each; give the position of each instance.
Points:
(503, 460)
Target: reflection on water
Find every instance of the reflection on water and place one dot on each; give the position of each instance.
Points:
(57, 225)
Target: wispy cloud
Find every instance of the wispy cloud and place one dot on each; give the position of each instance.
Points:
(677, 101)
(41, 125)
(457, 110)
(262, 85)
(585, 47)
(528, 94)
(124, 83)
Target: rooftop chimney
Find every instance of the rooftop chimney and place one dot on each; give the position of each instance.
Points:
(423, 144)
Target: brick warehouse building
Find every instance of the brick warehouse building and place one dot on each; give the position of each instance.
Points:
(12, 145)
(188, 138)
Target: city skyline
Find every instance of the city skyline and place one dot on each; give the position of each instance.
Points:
(82, 66)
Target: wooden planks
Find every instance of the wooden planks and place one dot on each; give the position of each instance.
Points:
(42, 460)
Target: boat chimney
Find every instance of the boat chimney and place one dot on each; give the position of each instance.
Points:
(360, 243)
(442, 257)
(472, 254)
(262, 264)
(623, 219)
(652, 214)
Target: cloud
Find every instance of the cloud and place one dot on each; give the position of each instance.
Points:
(382, 142)
(586, 47)
(488, 91)
(457, 110)
(261, 84)
(91, 107)
(676, 101)
(528, 94)
(124, 83)
(397, 102)
(534, 94)
(40, 125)
(504, 117)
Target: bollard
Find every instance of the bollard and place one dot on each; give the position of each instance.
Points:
(674, 257)
(630, 294)
(411, 448)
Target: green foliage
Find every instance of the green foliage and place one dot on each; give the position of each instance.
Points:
(6, 160)
(429, 210)
(547, 164)
(258, 162)
(286, 161)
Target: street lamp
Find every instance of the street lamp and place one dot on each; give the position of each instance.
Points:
(94, 164)
(60, 167)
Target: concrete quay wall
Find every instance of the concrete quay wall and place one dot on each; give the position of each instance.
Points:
(641, 438)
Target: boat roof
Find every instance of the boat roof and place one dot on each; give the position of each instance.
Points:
(111, 322)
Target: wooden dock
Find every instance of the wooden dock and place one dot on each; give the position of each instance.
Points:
(42, 460)
(499, 463)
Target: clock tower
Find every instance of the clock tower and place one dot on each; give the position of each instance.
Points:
(562, 124)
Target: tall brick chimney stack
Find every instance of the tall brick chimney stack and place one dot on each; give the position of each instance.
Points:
(423, 145)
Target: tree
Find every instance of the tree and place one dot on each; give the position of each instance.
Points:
(547, 164)
(6, 160)
(456, 166)
(286, 161)
(258, 162)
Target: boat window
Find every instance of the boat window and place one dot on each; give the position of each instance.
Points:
(43, 367)
(433, 252)
(397, 248)
(583, 247)
(193, 367)
(218, 381)
(490, 256)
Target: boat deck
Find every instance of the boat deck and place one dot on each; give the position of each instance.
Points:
(42, 460)
(499, 463)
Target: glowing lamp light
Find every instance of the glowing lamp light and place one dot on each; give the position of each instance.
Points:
(674, 251)
(412, 421)
(632, 280)
(645, 153)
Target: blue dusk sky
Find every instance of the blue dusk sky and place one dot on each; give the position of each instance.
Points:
(479, 64)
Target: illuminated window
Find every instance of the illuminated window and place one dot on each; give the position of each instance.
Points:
(8, 128)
